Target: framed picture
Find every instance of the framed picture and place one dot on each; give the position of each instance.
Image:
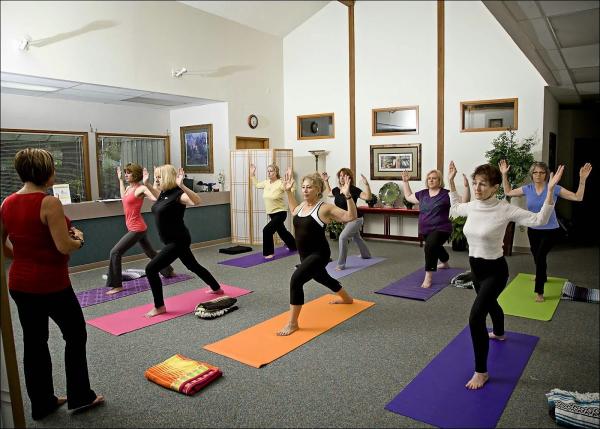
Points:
(495, 123)
(388, 161)
(197, 148)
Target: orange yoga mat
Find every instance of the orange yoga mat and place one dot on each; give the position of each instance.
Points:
(260, 344)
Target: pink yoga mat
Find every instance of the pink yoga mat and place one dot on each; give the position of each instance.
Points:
(133, 318)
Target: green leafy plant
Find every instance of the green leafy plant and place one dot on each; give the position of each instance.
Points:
(458, 224)
(334, 228)
(516, 153)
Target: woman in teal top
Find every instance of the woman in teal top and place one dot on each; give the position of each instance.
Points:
(542, 238)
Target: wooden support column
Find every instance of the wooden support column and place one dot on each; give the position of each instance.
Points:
(440, 83)
(351, 83)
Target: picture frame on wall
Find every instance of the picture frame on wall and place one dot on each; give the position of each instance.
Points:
(389, 161)
(197, 148)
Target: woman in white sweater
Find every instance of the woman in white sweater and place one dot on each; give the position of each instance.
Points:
(487, 218)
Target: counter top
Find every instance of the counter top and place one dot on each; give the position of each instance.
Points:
(114, 207)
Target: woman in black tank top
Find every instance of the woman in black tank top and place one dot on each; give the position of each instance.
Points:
(310, 218)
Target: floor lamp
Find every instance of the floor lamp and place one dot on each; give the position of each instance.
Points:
(317, 153)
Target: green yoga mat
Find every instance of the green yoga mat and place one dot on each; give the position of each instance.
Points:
(518, 299)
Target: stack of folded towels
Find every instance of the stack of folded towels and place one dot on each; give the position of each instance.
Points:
(574, 409)
(182, 374)
(215, 307)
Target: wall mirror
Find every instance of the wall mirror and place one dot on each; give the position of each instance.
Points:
(396, 120)
(319, 126)
(489, 115)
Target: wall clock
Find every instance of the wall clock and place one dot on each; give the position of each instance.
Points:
(252, 121)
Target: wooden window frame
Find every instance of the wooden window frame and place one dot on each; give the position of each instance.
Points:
(392, 109)
(463, 105)
(299, 119)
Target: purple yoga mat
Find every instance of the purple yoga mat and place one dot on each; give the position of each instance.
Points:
(131, 287)
(257, 258)
(410, 286)
(438, 396)
(353, 264)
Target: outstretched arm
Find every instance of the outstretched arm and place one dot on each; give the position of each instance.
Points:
(408, 194)
(584, 172)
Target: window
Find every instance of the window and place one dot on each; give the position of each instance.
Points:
(115, 150)
(395, 121)
(489, 115)
(320, 126)
(70, 152)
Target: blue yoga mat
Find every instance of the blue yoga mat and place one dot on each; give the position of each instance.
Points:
(438, 396)
(410, 286)
(353, 264)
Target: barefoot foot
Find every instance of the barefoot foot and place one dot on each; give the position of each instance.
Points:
(427, 280)
(269, 256)
(99, 400)
(539, 297)
(288, 329)
(477, 381)
(496, 337)
(443, 265)
(156, 311)
(114, 290)
(340, 267)
(216, 292)
(343, 298)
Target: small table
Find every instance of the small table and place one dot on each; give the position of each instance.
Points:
(387, 213)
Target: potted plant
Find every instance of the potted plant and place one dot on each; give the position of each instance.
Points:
(457, 237)
(335, 229)
(519, 156)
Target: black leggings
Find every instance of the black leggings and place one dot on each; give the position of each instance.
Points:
(165, 257)
(490, 277)
(434, 249)
(311, 268)
(35, 309)
(540, 242)
(276, 225)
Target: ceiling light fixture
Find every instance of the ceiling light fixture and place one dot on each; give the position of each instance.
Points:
(28, 86)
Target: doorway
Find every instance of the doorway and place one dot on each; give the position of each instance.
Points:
(585, 225)
(251, 143)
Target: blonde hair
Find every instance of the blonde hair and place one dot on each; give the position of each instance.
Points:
(275, 168)
(168, 176)
(34, 165)
(439, 175)
(135, 170)
(316, 180)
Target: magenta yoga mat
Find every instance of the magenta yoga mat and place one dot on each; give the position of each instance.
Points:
(410, 286)
(132, 319)
(131, 287)
(438, 396)
(257, 258)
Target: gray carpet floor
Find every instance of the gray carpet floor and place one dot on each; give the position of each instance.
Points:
(342, 378)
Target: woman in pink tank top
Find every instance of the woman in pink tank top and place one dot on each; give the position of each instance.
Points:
(133, 199)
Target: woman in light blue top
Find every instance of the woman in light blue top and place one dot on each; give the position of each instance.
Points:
(542, 238)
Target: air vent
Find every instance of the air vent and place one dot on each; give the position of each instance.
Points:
(156, 101)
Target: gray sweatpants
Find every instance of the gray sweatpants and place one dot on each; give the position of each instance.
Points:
(352, 232)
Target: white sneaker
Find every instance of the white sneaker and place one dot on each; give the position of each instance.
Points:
(104, 277)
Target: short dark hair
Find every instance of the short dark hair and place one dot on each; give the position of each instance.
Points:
(490, 172)
(34, 165)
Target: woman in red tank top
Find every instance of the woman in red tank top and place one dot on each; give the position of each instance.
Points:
(38, 238)
(133, 199)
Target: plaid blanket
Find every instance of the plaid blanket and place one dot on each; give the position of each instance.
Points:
(574, 409)
(215, 307)
(576, 293)
(182, 374)
(463, 280)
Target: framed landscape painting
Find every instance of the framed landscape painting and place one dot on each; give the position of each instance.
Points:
(197, 148)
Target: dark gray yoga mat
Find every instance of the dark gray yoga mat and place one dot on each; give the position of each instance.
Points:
(438, 396)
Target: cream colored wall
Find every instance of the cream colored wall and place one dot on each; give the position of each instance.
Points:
(141, 42)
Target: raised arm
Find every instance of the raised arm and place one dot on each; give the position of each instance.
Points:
(408, 194)
(253, 180)
(584, 172)
(458, 207)
(189, 197)
(508, 190)
(332, 212)
(327, 189)
(288, 186)
(366, 194)
(467, 195)
(149, 186)
(121, 183)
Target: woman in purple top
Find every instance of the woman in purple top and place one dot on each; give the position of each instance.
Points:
(434, 223)
(542, 238)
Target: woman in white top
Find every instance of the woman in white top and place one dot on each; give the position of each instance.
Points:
(487, 218)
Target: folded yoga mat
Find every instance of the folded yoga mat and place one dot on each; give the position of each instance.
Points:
(353, 264)
(518, 298)
(257, 258)
(438, 396)
(131, 287)
(133, 318)
(260, 344)
(410, 286)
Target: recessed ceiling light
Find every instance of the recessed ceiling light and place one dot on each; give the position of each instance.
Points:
(28, 87)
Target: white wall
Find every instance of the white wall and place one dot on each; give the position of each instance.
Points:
(136, 44)
(215, 114)
(38, 113)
